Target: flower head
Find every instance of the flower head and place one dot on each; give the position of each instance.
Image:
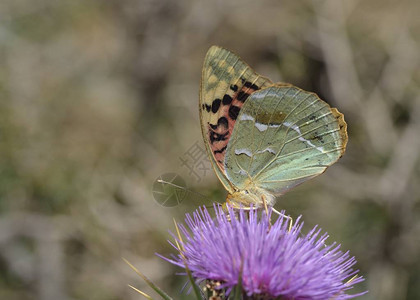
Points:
(270, 260)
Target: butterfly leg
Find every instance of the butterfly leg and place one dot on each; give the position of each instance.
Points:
(265, 204)
(264, 201)
(287, 217)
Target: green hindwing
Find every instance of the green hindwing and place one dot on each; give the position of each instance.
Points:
(283, 136)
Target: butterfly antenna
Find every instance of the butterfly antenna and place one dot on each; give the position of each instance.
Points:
(182, 188)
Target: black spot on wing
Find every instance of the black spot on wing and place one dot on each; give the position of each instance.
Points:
(242, 96)
(215, 137)
(251, 85)
(221, 122)
(215, 105)
(233, 112)
(208, 107)
(227, 99)
(221, 150)
(234, 87)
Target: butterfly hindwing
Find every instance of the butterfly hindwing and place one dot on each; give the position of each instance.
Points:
(283, 136)
(226, 84)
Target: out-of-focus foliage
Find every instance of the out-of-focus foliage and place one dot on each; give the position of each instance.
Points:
(99, 98)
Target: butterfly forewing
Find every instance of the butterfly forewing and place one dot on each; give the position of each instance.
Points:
(283, 136)
(227, 82)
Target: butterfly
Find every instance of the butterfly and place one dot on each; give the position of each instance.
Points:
(263, 138)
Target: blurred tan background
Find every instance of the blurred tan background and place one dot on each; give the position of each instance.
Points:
(99, 98)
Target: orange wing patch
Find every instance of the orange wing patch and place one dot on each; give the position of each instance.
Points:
(228, 109)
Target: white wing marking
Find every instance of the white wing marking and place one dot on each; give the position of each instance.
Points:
(267, 150)
(296, 128)
(245, 151)
(245, 117)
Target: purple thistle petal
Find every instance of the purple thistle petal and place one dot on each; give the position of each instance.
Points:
(274, 262)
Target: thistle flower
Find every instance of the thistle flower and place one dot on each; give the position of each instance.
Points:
(267, 260)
